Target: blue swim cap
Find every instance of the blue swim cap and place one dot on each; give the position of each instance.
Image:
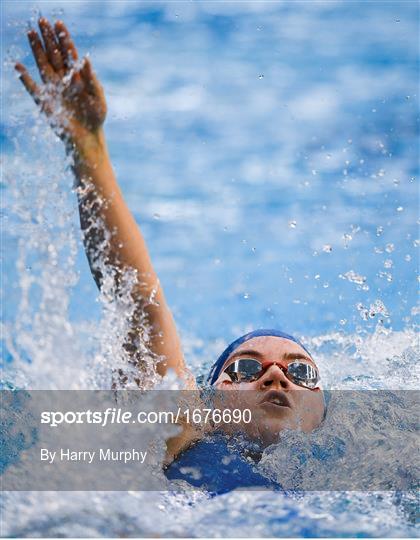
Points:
(217, 366)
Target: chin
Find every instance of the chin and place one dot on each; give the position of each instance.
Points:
(268, 428)
(266, 438)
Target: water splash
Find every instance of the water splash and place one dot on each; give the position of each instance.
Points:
(47, 349)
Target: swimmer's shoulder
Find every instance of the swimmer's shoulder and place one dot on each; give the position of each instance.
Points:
(179, 443)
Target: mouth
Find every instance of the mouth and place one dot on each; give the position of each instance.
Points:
(277, 399)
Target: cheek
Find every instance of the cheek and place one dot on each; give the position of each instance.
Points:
(236, 395)
(310, 406)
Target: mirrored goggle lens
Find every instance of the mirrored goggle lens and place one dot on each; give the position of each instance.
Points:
(247, 370)
(244, 370)
(303, 374)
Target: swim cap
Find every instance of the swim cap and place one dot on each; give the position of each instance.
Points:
(218, 365)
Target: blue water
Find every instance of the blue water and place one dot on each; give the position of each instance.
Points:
(269, 151)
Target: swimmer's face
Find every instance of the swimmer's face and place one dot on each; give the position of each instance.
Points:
(276, 403)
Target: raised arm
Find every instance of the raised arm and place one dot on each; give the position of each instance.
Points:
(74, 102)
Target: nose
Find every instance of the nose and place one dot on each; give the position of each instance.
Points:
(274, 377)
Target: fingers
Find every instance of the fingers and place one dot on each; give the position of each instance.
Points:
(28, 82)
(45, 69)
(51, 46)
(55, 56)
(67, 47)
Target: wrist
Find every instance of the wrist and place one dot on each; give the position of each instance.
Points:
(88, 149)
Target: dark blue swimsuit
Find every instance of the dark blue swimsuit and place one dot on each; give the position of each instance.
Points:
(216, 465)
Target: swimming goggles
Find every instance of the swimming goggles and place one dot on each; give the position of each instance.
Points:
(250, 369)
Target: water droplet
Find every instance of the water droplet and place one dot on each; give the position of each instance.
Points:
(385, 275)
(374, 110)
(407, 258)
(246, 296)
(327, 248)
(156, 216)
(326, 285)
(261, 76)
(353, 277)
(292, 224)
(388, 263)
(347, 239)
(317, 276)
(400, 209)
(363, 311)
(314, 172)
(389, 248)
(378, 307)
(343, 322)
(379, 230)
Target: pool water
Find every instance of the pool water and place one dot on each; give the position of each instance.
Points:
(269, 153)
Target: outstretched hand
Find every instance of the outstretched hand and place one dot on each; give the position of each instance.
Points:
(71, 95)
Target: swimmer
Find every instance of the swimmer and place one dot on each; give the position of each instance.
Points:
(281, 377)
